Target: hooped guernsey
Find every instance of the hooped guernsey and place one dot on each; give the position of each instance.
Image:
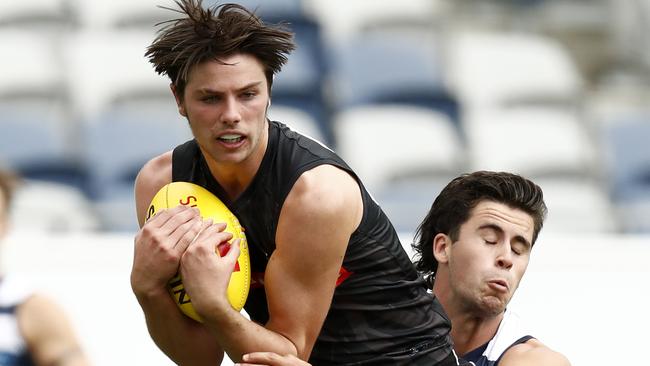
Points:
(381, 313)
(13, 347)
(510, 333)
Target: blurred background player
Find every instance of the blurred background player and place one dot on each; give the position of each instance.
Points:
(33, 329)
(331, 281)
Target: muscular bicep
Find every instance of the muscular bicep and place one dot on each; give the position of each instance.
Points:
(316, 221)
(153, 176)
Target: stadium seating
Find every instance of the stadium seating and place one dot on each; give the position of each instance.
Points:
(76, 82)
(297, 120)
(46, 207)
(627, 156)
(115, 15)
(382, 143)
(119, 143)
(501, 69)
(38, 14)
(407, 199)
(269, 9)
(36, 135)
(577, 205)
(126, 115)
(343, 19)
(533, 141)
(381, 68)
(108, 67)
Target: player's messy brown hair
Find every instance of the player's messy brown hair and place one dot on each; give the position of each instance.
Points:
(453, 206)
(204, 34)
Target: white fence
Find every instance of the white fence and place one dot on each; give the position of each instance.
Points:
(584, 296)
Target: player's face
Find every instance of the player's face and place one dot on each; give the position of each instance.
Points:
(490, 257)
(225, 103)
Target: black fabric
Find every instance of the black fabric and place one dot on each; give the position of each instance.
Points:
(381, 314)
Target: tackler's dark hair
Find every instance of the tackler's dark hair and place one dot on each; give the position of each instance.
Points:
(454, 204)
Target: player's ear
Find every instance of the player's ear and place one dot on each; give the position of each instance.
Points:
(441, 247)
(179, 100)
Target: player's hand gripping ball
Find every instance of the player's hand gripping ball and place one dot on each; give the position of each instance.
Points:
(189, 194)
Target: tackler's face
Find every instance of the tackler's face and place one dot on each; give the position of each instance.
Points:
(490, 257)
(225, 101)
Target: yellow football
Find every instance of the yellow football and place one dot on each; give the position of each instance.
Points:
(189, 194)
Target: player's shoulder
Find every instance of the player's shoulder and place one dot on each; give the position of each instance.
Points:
(327, 183)
(154, 175)
(323, 192)
(533, 352)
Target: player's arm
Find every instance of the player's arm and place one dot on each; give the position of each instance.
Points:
(48, 333)
(317, 220)
(533, 353)
(320, 213)
(158, 247)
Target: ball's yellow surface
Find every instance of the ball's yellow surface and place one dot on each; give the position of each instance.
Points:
(189, 194)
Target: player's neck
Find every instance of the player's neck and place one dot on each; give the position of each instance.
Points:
(470, 331)
(234, 178)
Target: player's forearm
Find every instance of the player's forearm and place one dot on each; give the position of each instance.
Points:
(238, 335)
(183, 340)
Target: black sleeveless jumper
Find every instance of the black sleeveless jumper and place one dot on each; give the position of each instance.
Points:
(381, 313)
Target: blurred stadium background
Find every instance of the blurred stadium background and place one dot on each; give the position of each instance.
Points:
(411, 93)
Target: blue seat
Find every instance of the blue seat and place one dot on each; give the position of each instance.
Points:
(266, 8)
(37, 138)
(37, 143)
(126, 137)
(380, 68)
(407, 200)
(628, 154)
(627, 165)
(299, 84)
(118, 144)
